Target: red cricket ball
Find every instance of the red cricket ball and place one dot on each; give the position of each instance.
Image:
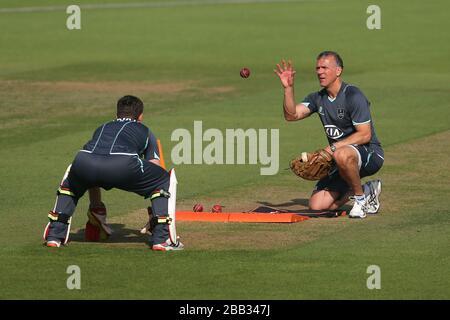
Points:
(198, 207)
(216, 208)
(245, 72)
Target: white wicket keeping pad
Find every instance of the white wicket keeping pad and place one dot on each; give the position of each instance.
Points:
(172, 206)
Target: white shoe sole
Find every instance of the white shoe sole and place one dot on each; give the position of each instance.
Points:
(53, 244)
(377, 192)
(166, 248)
(357, 216)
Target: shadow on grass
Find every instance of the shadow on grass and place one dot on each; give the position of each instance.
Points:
(297, 202)
(290, 203)
(120, 235)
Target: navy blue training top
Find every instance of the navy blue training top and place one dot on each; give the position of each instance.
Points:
(342, 114)
(123, 137)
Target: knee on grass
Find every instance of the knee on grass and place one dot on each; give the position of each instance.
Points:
(317, 205)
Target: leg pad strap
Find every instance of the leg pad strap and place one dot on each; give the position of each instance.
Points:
(160, 193)
(60, 217)
(65, 191)
(154, 220)
(161, 220)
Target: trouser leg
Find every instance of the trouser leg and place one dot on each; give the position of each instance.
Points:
(68, 194)
(159, 199)
(60, 218)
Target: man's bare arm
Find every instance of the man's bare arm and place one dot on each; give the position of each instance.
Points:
(362, 135)
(292, 112)
(297, 112)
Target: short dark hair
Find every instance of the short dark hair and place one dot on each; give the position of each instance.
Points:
(129, 107)
(336, 56)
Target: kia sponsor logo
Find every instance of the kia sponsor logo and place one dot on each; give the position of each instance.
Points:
(333, 132)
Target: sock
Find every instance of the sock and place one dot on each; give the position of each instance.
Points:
(366, 189)
(360, 198)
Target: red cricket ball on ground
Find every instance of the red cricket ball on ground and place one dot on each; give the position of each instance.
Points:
(245, 72)
(216, 208)
(198, 207)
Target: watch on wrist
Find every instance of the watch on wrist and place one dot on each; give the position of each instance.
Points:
(332, 147)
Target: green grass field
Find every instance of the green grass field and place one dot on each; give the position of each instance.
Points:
(183, 59)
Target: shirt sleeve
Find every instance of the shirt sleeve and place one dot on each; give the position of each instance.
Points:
(359, 108)
(310, 102)
(151, 150)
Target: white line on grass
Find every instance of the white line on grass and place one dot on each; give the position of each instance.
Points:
(147, 5)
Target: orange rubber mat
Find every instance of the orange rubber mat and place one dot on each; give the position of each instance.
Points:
(239, 217)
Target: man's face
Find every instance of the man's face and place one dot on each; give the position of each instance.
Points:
(327, 71)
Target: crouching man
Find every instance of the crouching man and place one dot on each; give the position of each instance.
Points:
(345, 115)
(122, 154)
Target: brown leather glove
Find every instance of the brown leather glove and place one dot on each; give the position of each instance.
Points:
(312, 166)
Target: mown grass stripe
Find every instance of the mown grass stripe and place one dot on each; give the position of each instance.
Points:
(147, 5)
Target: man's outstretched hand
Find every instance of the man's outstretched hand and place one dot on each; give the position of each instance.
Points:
(286, 73)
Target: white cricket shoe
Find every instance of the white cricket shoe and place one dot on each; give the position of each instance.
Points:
(53, 243)
(168, 246)
(359, 209)
(372, 191)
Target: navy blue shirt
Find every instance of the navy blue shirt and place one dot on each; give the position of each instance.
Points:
(123, 137)
(340, 115)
